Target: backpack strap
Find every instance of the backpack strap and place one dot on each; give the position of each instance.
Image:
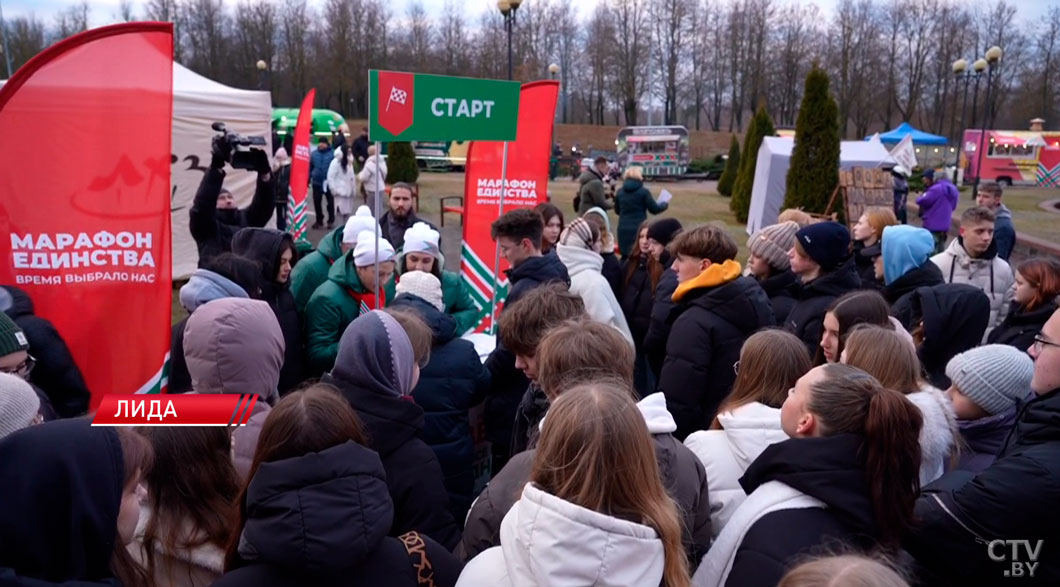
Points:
(417, 551)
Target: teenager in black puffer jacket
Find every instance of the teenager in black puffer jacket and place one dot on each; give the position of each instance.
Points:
(824, 266)
(660, 233)
(454, 381)
(1035, 300)
(274, 251)
(716, 310)
(640, 278)
(316, 510)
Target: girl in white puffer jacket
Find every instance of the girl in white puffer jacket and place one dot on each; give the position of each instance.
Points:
(749, 419)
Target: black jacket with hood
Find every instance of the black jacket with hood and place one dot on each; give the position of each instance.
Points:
(367, 374)
(454, 381)
(508, 383)
(959, 515)
(715, 314)
(866, 267)
(62, 491)
(782, 289)
(56, 374)
(954, 317)
(1021, 326)
(213, 229)
(322, 519)
(263, 245)
(899, 294)
(827, 469)
(806, 319)
(636, 299)
(654, 344)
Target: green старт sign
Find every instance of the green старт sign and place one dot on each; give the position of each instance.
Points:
(420, 107)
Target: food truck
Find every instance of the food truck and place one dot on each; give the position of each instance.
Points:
(661, 150)
(1011, 157)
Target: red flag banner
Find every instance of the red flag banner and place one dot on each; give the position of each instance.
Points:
(88, 238)
(528, 158)
(300, 169)
(396, 91)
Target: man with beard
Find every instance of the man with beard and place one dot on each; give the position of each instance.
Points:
(214, 217)
(400, 217)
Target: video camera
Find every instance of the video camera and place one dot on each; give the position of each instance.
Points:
(241, 151)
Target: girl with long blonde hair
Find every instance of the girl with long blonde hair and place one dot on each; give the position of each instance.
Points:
(595, 510)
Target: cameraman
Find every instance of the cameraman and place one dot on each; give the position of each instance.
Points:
(214, 218)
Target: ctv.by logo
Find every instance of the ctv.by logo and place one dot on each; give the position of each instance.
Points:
(1021, 566)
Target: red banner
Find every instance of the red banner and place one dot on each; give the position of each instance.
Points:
(396, 91)
(527, 186)
(231, 409)
(300, 169)
(88, 237)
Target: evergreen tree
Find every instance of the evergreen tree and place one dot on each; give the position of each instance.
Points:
(761, 126)
(732, 165)
(401, 163)
(814, 171)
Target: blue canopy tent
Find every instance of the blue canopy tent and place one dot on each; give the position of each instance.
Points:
(919, 137)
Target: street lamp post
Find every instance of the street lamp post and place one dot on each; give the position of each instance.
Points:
(993, 56)
(960, 69)
(508, 8)
(263, 69)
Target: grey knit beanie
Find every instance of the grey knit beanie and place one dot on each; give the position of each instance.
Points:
(19, 404)
(995, 377)
(772, 243)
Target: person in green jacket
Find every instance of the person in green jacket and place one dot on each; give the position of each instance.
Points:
(421, 252)
(312, 271)
(591, 191)
(349, 292)
(633, 201)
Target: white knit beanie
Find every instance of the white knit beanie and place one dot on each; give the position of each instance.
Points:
(421, 238)
(361, 221)
(422, 285)
(364, 254)
(995, 377)
(19, 404)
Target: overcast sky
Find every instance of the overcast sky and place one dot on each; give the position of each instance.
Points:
(106, 11)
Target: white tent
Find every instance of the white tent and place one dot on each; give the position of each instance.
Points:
(197, 103)
(771, 173)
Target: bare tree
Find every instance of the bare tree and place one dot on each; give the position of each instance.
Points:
(71, 20)
(418, 35)
(295, 19)
(254, 39)
(125, 11)
(167, 11)
(631, 51)
(205, 29)
(671, 28)
(455, 51)
(26, 37)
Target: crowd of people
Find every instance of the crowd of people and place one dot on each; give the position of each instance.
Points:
(846, 407)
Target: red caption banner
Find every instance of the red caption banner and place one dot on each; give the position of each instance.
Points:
(175, 410)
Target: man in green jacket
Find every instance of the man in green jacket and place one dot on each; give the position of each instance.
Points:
(592, 192)
(312, 271)
(349, 292)
(422, 253)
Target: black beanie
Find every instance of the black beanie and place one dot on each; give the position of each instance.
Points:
(827, 243)
(664, 230)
